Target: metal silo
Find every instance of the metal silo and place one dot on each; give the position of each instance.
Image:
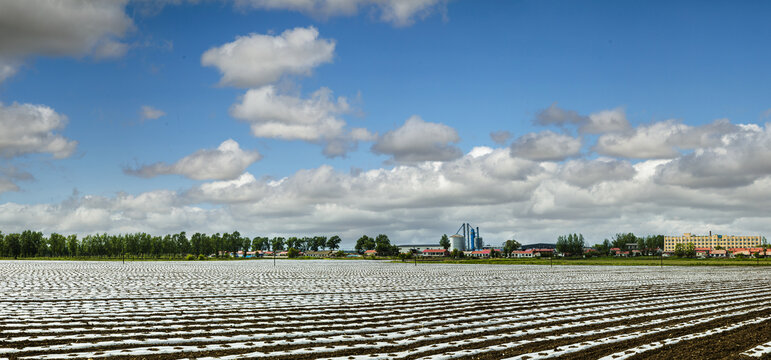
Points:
(479, 243)
(458, 242)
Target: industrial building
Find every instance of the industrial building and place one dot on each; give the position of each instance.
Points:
(539, 246)
(417, 248)
(712, 241)
(466, 238)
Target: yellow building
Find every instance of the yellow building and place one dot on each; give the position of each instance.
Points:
(712, 241)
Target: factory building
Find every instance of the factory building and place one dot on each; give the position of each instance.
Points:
(417, 248)
(712, 241)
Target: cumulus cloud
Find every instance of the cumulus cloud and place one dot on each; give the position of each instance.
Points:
(418, 141)
(227, 161)
(258, 60)
(147, 112)
(274, 115)
(555, 115)
(662, 140)
(546, 146)
(500, 137)
(10, 175)
(60, 28)
(396, 12)
(586, 173)
(271, 114)
(739, 159)
(605, 121)
(500, 194)
(719, 181)
(28, 128)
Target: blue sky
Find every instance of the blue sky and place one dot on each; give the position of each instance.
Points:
(662, 73)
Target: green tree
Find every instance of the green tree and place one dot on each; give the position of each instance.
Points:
(383, 246)
(73, 246)
(690, 250)
(30, 243)
(277, 244)
(509, 246)
(57, 244)
(445, 242)
(292, 253)
(12, 245)
(620, 240)
(604, 247)
(364, 243)
(333, 243)
(571, 244)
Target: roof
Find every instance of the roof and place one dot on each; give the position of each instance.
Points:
(615, 249)
(434, 250)
(370, 252)
(418, 245)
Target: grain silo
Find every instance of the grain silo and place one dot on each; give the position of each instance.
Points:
(457, 242)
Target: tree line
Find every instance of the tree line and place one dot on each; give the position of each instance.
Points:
(648, 245)
(381, 244)
(33, 244)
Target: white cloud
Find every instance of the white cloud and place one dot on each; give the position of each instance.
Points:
(147, 112)
(722, 185)
(500, 137)
(60, 28)
(546, 146)
(227, 161)
(555, 115)
(316, 119)
(274, 115)
(644, 142)
(500, 194)
(662, 140)
(586, 173)
(10, 175)
(8, 68)
(27, 128)
(738, 159)
(605, 121)
(258, 60)
(396, 12)
(418, 141)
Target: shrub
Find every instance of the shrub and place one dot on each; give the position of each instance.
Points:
(190, 257)
(201, 257)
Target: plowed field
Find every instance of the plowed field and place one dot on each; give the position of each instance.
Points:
(351, 310)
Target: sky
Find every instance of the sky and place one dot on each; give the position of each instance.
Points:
(527, 119)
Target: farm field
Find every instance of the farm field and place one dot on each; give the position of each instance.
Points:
(380, 310)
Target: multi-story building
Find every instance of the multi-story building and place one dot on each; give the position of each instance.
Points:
(712, 241)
